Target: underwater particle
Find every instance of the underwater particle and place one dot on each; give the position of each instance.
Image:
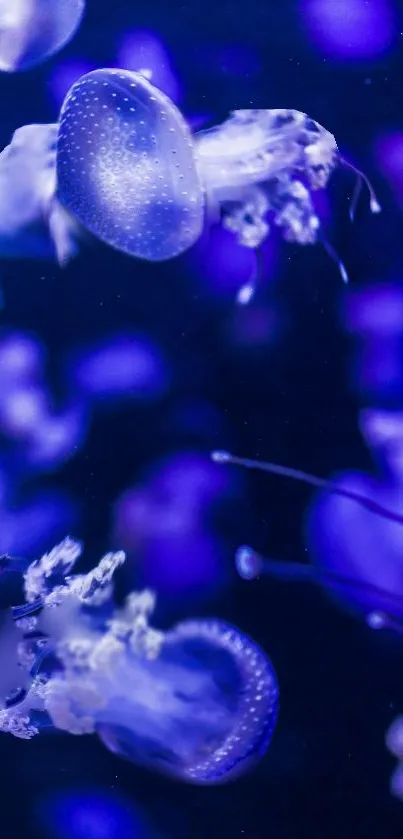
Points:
(198, 702)
(126, 168)
(33, 30)
(33, 224)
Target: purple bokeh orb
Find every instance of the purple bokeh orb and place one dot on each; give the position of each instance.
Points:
(91, 813)
(124, 365)
(143, 51)
(350, 30)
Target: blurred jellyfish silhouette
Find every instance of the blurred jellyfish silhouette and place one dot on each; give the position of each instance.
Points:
(144, 52)
(33, 30)
(44, 436)
(33, 224)
(198, 702)
(126, 168)
(394, 742)
(125, 365)
(350, 30)
(62, 77)
(373, 316)
(91, 811)
(354, 528)
(129, 170)
(169, 518)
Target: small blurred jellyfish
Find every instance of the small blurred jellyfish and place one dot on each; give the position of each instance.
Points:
(166, 524)
(373, 316)
(63, 76)
(145, 53)
(91, 813)
(33, 224)
(21, 358)
(126, 366)
(225, 265)
(350, 30)
(45, 437)
(355, 535)
(354, 529)
(257, 164)
(57, 437)
(198, 702)
(27, 527)
(388, 150)
(394, 742)
(33, 30)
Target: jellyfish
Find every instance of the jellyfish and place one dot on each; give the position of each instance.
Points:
(394, 744)
(381, 603)
(33, 30)
(126, 167)
(261, 167)
(130, 171)
(33, 224)
(198, 702)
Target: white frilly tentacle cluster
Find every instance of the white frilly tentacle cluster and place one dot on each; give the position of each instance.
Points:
(75, 625)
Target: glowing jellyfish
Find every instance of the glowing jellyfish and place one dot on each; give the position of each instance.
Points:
(394, 742)
(126, 167)
(383, 607)
(33, 30)
(32, 222)
(263, 165)
(388, 611)
(198, 702)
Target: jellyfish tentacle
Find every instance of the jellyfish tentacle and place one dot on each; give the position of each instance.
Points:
(224, 457)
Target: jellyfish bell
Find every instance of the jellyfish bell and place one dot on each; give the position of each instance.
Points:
(33, 30)
(126, 167)
(261, 166)
(219, 718)
(33, 224)
(198, 702)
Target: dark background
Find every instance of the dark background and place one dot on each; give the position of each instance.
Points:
(327, 770)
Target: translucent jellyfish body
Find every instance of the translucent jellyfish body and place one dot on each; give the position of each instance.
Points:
(198, 702)
(33, 30)
(261, 167)
(32, 222)
(394, 742)
(126, 167)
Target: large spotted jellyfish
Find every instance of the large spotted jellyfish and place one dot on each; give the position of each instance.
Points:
(130, 171)
(263, 165)
(33, 30)
(33, 224)
(198, 702)
(126, 167)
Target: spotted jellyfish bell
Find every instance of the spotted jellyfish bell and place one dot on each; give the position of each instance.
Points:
(33, 224)
(33, 30)
(126, 167)
(262, 163)
(198, 702)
